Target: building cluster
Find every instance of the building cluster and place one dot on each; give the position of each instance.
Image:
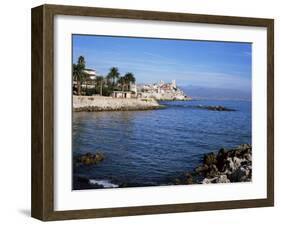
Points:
(158, 91)
(162, 91)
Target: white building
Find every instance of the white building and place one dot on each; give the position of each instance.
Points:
(133, 87)
(91, 73)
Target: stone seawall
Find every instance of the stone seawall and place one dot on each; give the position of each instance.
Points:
(101, 103)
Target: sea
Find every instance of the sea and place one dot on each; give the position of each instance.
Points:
(154, 147)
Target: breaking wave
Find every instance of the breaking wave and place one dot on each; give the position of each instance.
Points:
(104, 183)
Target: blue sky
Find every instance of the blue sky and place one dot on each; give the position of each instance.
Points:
(191, 63)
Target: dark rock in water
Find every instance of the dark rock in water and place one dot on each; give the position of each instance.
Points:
(201, 169)
(90, 158)
(133, 184)
(99, 157)
(221, 159)
(212, 172)
(241, 174)
(177, 181)
(215, 108)
(81, 183)
(82, 179)
(186, 178)
(234, 165)
(189, 178)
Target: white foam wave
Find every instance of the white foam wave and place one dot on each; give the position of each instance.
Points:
(104, 183)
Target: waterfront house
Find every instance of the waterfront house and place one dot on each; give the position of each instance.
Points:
(90, 76)
(122, 94)
(90, 73)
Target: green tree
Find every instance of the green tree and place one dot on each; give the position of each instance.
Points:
(78, 73)
(122, 82)
(113, 75)
(129, 78)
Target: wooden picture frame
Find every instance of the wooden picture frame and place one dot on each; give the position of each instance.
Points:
(43, 112)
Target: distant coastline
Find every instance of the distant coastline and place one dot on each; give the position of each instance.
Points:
(208, 93)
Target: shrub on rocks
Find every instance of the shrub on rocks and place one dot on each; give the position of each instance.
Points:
(210, 159)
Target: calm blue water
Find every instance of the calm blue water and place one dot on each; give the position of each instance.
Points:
(155, 147)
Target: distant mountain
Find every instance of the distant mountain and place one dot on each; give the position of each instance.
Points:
(197, 92)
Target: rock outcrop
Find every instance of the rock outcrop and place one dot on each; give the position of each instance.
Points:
(215, 108)
(90, 158)
(234, 165)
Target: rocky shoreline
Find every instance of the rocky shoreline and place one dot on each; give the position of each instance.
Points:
(101, 103)
(224, 166)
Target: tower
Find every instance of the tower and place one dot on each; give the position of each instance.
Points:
(174, 85)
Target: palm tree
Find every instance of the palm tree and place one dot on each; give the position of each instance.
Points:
(78, 73)
(113, 75)
(129, 78)
(99, 82)
(122, 82)
(81, 62)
